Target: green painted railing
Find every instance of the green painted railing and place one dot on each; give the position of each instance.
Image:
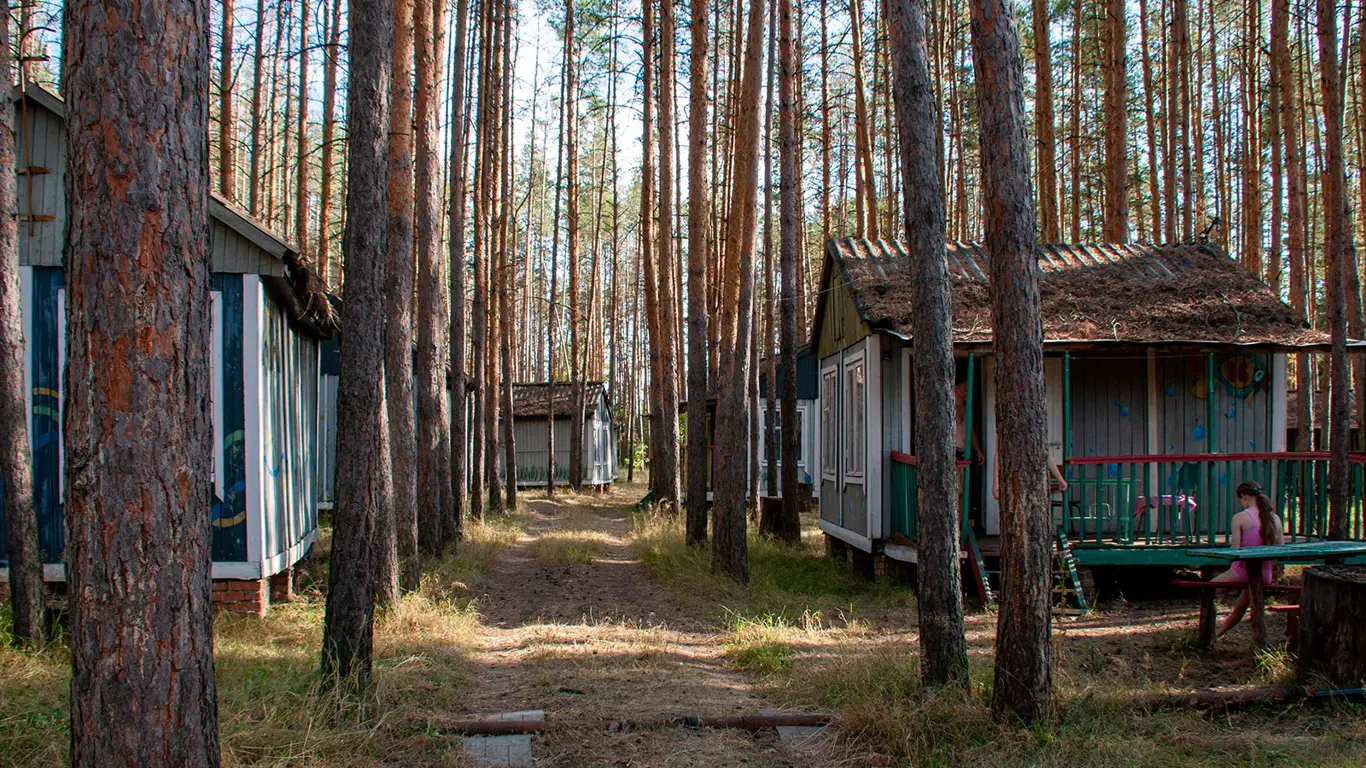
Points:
(904, 489)
(903, 494)
(1190, 499)
(1179, 500)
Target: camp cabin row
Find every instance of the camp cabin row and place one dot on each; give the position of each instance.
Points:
(1165, 379)
(805, 366)
(266, 327)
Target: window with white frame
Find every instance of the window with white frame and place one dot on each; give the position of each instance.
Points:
(829, 406)
(855, 419)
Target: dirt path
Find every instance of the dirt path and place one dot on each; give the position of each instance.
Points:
(575, 626)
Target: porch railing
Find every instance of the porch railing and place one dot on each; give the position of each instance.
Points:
(1176, 500)
(1190, 499)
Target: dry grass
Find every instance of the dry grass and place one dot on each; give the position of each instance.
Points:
(273, 710)
(569, 547)
(862, 664)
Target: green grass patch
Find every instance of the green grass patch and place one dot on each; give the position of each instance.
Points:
(764, 658)
(784, 581)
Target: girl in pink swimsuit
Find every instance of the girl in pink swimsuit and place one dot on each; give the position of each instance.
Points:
(1255, 526)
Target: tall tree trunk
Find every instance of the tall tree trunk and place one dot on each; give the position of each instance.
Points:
(668, 300)
(1154, 197)
(1116, 228)
(1023, 681)
(867, 190)
(1046, 141)
(395, 549)
(258, 62)
(508, 247)
(1276, 89)
(1074, 214)
(789, 524)
(645, 242)
(301, 145)
(1252, 153)
(572, 249)
(944, 656)
(729, 547)
(767, 520)
(553, 306)
(364, 480)
(16, 459)
(142, 684)
(431, 321)
(227, 180)
(1338, 251)
(458, 192)
(698, 210)
(329, 136)
(484, 164)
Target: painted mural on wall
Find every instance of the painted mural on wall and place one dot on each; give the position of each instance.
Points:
(229, 511)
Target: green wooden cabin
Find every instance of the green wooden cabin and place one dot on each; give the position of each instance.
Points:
(1165, 378)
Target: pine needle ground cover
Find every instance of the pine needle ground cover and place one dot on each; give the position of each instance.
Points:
(273, 709)
(815, 637)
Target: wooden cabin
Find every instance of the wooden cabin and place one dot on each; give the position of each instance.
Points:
(1165, 378)
(267, 319)
(535, 406)
(807, 427)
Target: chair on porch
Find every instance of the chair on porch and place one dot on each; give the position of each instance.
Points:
(1179, 504)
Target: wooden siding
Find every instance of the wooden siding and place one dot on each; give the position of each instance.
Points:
(40, 155)
(599, 449)
(232, 253)
(235, 242)
(840, 326)
(289, 431)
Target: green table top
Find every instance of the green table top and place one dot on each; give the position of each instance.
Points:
(1304, 550)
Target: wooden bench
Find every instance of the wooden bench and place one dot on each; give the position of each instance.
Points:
(1292, 625)
(1207, 590)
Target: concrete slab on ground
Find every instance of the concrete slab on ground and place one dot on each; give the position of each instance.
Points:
(512, 750)
(795, 735)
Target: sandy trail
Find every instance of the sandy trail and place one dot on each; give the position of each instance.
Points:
(575, 626)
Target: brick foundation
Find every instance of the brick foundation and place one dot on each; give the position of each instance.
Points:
(282, 586)
(242, 596)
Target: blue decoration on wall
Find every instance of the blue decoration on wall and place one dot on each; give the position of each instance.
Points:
(1198, 432)
(1223, 478)
(1112, 469)
(1232, 411)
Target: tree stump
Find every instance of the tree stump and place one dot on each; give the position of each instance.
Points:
(1333, 625)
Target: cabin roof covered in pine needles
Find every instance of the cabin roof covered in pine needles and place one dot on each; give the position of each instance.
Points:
(1094, 293)
(530, 399)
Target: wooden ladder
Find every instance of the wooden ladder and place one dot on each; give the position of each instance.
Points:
(980, 577)
(1066, 580)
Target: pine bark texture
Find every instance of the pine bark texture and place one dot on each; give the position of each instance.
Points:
(1337, 251)
(1116, 225)
(301, 206)
(1046, 142)
(944, 652)
(729, 546)
(698, 220)
(1023, 680)
(459, 189)
(329, 137)
(430, 321)
(16, 459)
(789, 527)
(364, 480)
(667, 298)
(138, 441)
(394, 528)
(572, 248)
(226, 167)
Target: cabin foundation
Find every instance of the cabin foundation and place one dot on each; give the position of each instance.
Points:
(245, 596)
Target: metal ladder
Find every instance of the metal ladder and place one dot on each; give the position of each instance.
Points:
(980, 577)
(1066, 580)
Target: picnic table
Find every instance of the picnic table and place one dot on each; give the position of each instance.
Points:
(1331, 552)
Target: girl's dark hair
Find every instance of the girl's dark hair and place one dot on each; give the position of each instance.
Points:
(1266, 510)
